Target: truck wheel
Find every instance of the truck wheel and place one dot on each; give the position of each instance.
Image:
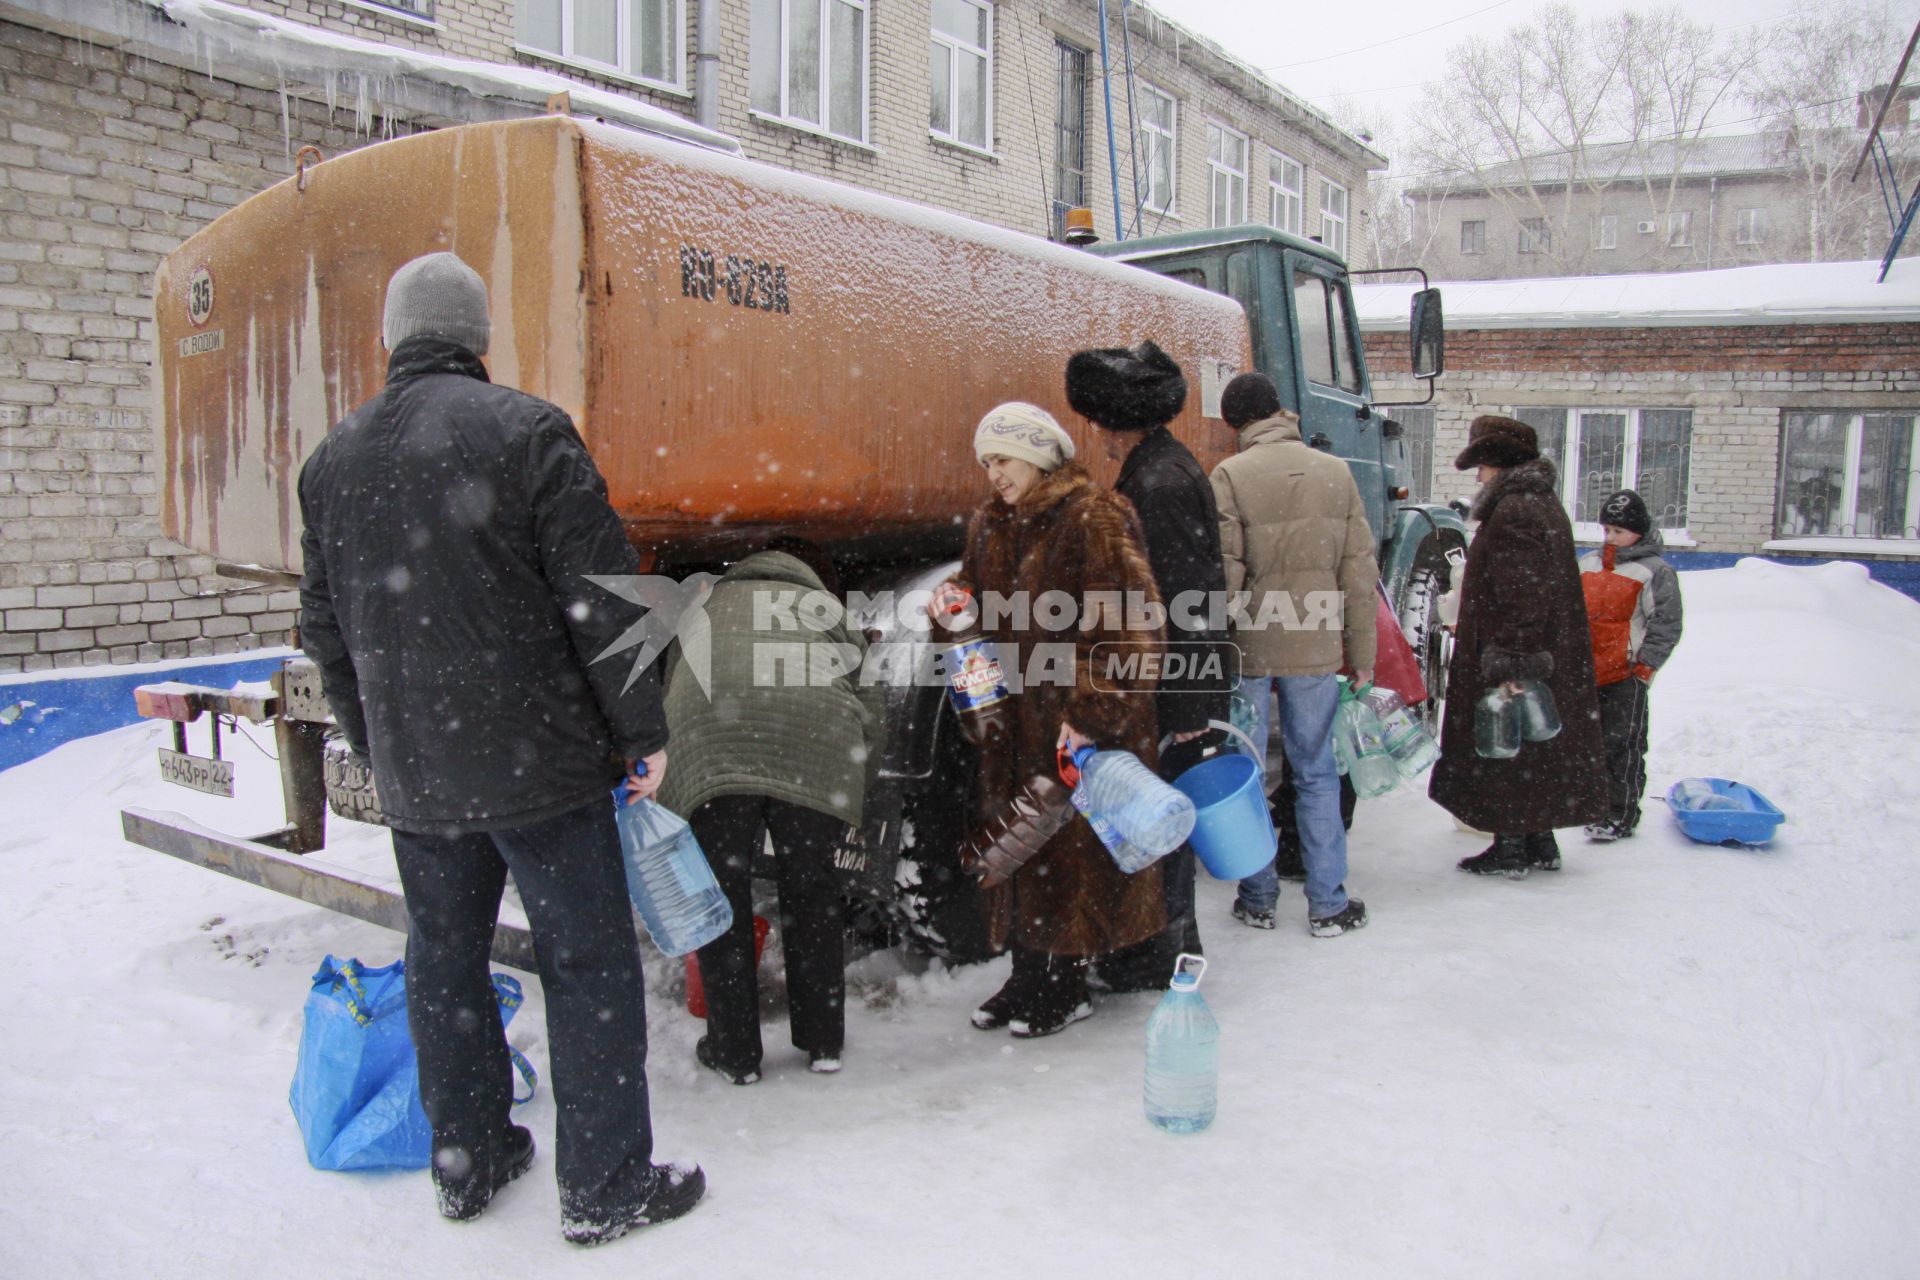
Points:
(1420, 622)
(350, 792)
(937, 905)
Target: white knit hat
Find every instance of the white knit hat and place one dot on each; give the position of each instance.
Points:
(1024, 431)
(437, 295)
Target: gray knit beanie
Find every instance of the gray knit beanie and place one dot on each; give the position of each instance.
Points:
(441, 296)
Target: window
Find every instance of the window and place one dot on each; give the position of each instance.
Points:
(1333, 217)
(1599, 450)
(638, 38)
(810, 63)
(421, 9)
(1751, 226)
(1848, 475)
(1286, 185)
(1534, 236)
(1326, 333)
(1473, 237)
(962, 72)
(1069, 133)
(1227, 175)
(1416, 426)
(1158, 120)
(1606, 230)
(1679, 230)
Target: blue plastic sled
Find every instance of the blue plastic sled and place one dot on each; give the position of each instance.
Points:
(1716, 811)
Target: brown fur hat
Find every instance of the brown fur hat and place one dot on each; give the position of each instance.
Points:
(1497, 441)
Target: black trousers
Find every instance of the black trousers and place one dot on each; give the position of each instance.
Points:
(731, 831)
(1623, 728)
(572, 882)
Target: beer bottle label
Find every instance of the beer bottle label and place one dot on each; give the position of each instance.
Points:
(974, 678)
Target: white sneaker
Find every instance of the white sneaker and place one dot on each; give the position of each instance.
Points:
(823, 1064)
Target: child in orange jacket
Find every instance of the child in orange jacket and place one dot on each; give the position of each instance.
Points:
(1634, 610)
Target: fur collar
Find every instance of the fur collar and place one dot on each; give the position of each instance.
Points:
(1537, 476)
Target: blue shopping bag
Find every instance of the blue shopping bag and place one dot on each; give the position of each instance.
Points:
(356, 1087)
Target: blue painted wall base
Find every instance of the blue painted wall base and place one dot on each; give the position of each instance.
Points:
(38, 714)
(1902, 575)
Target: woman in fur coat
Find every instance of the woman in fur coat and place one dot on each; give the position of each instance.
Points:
(1523, 616)
(1048, 528)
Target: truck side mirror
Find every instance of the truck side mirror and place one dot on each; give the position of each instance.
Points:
(1429, 335)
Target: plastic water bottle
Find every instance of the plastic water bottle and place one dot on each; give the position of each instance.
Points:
(1360, 746)
(1183, 1054)
(1136, 815)
(1408, 742)
(668, 877)
(1539, 717)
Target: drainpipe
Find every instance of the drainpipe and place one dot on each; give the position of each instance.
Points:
(1113, 154)
(1713, 184)
(706, 66)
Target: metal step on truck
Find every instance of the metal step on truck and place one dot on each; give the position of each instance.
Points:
(748, 354)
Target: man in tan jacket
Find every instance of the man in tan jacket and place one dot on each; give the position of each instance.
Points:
(1294, 536)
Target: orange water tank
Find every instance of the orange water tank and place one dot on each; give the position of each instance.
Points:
(745, 350)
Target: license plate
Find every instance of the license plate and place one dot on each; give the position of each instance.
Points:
(215, 777)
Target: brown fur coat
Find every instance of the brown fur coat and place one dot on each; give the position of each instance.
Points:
(1069, 535)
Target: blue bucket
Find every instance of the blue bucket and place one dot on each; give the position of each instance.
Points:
(1232, 828)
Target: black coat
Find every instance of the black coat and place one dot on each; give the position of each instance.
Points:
(1164, 482)
(450, 524)
(1523, 615)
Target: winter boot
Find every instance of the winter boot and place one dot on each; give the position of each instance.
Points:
(1000, 1008)
(1354, 916)
(1253, 917)
(676, 1189)
(1609, 831)
(1060, 1000)
(1543, 851)
(465, 1198)
(1506, 856)
(710, 1058)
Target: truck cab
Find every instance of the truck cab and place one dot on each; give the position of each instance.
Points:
(1298, 301)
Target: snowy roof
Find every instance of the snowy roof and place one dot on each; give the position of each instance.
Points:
(295, 52)
(1715, 156)
(1784, 293)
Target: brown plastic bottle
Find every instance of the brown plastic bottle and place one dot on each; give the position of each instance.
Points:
(976, 685)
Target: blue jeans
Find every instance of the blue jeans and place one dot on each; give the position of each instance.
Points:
(1307, 704)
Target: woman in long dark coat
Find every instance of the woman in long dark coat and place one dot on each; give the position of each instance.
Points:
(1050, 528)
(1522, 616)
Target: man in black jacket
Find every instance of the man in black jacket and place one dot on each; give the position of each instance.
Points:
(450, 528)
(1133, 393)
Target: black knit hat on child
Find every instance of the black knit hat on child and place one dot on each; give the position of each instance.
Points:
(1625, 509)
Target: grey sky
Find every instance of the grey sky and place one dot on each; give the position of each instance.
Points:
(1379, 54)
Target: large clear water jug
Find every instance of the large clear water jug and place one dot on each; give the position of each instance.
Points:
(1408, 742)
(1136, 815)
(1360, 746)
(1539, 717)
(668, 878)
(1496, 726)
(1183, 1054)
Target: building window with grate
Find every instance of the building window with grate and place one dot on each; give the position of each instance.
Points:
(1848, 475)
(1599, 450)
(1416, 427)
(809, 64)
(1069, 133)
(641, 39)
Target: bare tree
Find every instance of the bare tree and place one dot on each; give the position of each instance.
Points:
(1562, 109)
(1810, 82)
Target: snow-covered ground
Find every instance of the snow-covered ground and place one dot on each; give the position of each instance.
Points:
(1668, 1060)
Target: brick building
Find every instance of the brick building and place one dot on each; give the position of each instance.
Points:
(128, 126)
(1760, 410)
